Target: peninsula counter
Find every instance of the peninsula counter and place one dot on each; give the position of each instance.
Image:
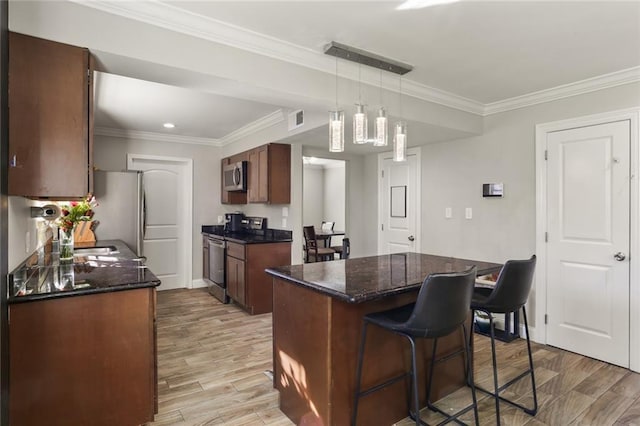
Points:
(317, 321)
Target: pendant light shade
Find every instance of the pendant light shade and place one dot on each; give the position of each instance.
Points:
(381, 136)
(360, 124)
(336, 131)
(400, 141)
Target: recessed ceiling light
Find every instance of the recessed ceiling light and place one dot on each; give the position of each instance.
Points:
(169, 125)
(419, 4)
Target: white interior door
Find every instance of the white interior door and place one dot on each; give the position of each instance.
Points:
(588, 179)
(399, 207)
(164, 242)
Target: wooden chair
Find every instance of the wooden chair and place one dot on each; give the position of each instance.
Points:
(344, 250)
(326, 226)
(311, 246)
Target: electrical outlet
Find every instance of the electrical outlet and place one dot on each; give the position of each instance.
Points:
(284, 222)
(448, 214)
(285, 212)
(468, 213)
(220, 219)
(27, 242)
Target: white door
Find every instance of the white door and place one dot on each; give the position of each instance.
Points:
(399, 205)
(588, 173)
(164, 242)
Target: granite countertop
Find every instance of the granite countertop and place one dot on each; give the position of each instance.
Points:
(250, 236)
(367, 278)
(42, 276)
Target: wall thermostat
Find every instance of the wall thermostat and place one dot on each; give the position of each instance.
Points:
(492, 190)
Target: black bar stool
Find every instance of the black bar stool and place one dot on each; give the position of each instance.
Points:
(509, 295)
(441, 307)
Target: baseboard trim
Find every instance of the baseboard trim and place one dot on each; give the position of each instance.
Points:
(198, 283)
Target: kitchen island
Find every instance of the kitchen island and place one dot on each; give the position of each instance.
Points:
(317, 321)
(82, 339)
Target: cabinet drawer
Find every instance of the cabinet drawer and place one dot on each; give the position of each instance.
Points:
(235, 250)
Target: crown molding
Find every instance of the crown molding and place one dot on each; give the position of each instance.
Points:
(605, 81)
(253, 127)
(174, 18)
(179, 20)
(155, 137)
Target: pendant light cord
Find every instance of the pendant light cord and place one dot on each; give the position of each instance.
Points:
(359, 83)
(336, 83)
(401, 118)
(381, 103)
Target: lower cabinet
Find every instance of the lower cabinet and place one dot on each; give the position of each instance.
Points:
(247, 283)
(83, 360)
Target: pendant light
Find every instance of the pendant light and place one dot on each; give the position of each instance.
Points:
(336, 124)
(381, 132)
(400, 135)
(360, 122)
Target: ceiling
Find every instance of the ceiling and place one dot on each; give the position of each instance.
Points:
(486, 52)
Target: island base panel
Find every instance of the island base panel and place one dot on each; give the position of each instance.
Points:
(316, 342)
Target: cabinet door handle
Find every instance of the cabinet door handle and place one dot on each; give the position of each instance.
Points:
(14, 161)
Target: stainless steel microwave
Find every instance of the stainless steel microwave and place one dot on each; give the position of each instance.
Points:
(234, 176)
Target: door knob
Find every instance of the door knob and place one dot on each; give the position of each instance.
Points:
(411, 238)
(619, 256)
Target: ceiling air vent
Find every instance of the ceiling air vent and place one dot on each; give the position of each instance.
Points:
(296, 119)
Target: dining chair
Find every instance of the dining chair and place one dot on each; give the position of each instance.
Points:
(343, 250)
(509, 295)
(327, 226)
(312, 248)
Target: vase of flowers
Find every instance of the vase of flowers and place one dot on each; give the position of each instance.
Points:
(71, 214)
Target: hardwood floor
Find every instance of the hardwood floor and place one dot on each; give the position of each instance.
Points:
(212, 358)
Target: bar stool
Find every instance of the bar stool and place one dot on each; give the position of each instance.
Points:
(509, 295)
(441, 307)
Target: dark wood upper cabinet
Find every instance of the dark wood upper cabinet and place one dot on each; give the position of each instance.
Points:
(50, 119)
(270, 174)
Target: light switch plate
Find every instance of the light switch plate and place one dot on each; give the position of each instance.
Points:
(285, 212)
(448, 214)
(284, 222)
(468, 213)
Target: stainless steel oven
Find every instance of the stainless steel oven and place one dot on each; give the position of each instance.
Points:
(217, 285)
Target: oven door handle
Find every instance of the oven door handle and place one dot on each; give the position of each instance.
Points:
(220, 244)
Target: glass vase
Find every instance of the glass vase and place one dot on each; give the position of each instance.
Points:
(66, 245)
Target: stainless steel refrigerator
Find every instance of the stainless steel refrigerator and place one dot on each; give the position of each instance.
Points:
(121, 209)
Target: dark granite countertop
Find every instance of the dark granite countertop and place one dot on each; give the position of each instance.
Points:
(42, 276)
(250, 236)
(367, 278)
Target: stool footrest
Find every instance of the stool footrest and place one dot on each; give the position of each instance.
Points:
(383, 385)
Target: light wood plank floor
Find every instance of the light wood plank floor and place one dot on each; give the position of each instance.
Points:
(212, 358)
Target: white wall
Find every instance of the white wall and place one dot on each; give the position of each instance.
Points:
(313, 189)
(453, 173)
(111, 154)
(334, 199)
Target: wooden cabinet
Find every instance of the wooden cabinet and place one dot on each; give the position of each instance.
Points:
(270, 174)
(236, 288)
(50, 118)
(84, 360)
(247, 283)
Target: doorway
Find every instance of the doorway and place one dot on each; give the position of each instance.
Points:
(324, 194)
(587, 211)
(399, 203)
(167, 242)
